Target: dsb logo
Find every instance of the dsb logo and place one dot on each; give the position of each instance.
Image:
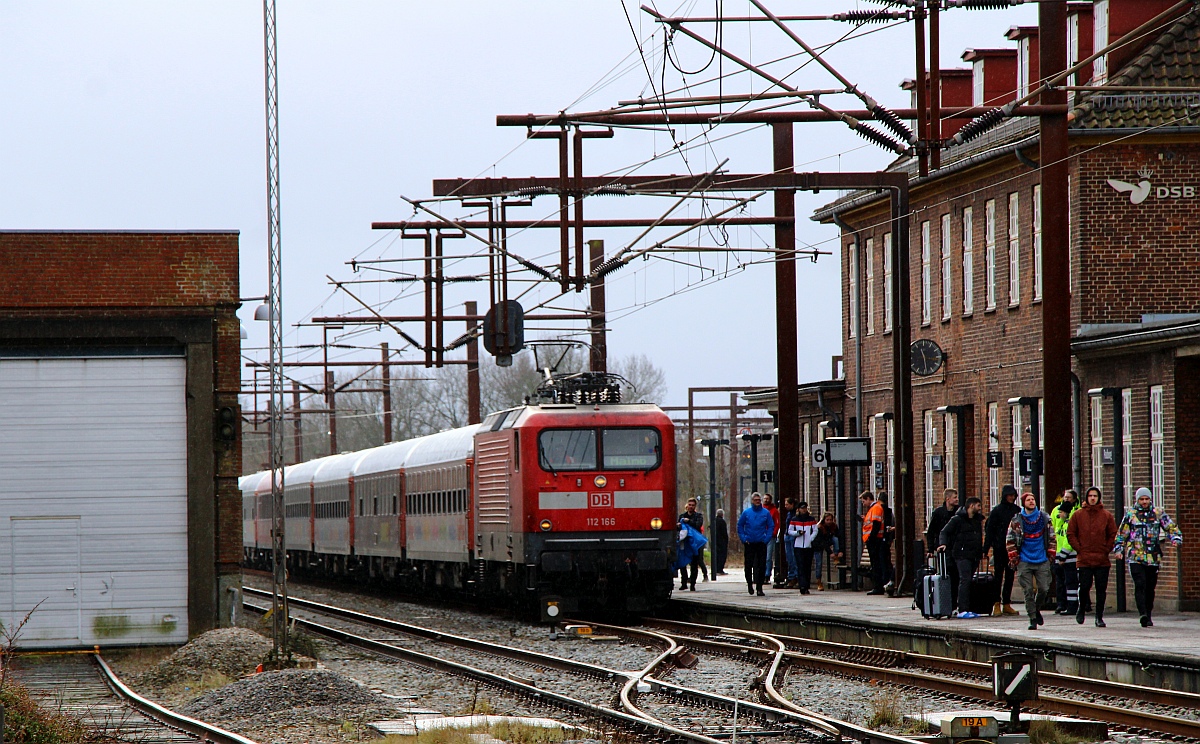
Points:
(600, 501)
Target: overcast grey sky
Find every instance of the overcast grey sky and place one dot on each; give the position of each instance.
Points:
(149, 115)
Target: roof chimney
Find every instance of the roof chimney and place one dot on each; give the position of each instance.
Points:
(1080, 40)
(993, 76)
(1112, 19)
(1028, 77)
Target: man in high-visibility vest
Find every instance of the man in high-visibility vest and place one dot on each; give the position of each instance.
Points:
(873, 536)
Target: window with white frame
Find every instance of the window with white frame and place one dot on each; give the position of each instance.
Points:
(1018, 443)
(887, 282)
(993, 445)
(870, 286)
(1041, 443)
(946, 268)
(968, 263)
(852, 260)
(876, 455)
(989, 255)
(891, 458)
(1127, 441)
(1023, 66)
(930, 451)
(1157, 440)
(926, 278)
(977, 83)
(950, 452)
(1014, 250)
(1099, 41)
(1097, 442)
(1072, 47)
(805, 463)
(1036, 204)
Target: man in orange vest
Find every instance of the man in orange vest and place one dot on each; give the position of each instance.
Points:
(873, 536)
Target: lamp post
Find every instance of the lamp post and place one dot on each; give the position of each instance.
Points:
(710, 449)
(1035, 445)
(754, 439)
(1118, 405)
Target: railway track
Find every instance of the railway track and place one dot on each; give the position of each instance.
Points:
(644, 701)
(1132, 707)
(83, 686)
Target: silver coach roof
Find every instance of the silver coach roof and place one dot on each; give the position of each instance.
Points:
(446, 446)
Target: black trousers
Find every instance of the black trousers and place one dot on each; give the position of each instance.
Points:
(1145, 579)
(719, 552)
(1087, 575)
(756, 564)
(1004, 575)
(877, 552)
(804, 561)
(956, 579)
(965, 568)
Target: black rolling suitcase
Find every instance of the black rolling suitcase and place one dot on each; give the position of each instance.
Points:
(985, 592)
(935, 590)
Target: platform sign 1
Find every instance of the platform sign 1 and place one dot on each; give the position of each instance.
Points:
(766, 476)
(1014, 677)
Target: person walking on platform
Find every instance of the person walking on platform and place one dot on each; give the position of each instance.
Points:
(772, 544)
(872, 537)
(755, 528)
(1092, 532)
(785, 545)
(720, 544)
(695, 520)
(889, 537)
(1030, 546)
(995, 532)
(828, 540)
(1066, 576)
(801, 531)
(962, 538)
(937, 522)
(1143, 531)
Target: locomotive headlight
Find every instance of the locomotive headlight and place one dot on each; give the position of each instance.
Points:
(600, 481)
(545, 525)
(656, 524)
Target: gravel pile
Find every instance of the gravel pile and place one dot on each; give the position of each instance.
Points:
(284, 690)
(231, 651)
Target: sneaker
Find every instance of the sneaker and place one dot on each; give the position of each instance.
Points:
(1100, 623)
(874, 592)
(1079, 617)
(750, 589)
(760, 593)
(1040, 620)
(1033, 624)
(967, 615)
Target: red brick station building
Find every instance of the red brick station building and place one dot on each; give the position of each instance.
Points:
(976, 287)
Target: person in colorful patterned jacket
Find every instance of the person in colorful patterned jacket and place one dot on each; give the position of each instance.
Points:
(1066, 577)
(1030, 544)
(1140, 538)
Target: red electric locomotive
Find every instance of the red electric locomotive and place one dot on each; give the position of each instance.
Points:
(567, 504)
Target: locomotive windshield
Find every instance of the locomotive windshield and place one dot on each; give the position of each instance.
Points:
(619, 449)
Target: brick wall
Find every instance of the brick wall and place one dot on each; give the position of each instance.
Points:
(1140, 258)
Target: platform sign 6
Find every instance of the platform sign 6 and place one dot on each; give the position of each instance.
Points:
(600, 501)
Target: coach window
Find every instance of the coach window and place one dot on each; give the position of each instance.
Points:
(567, 449)
(631, 449)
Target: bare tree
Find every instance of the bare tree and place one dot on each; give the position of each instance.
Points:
(647, 382)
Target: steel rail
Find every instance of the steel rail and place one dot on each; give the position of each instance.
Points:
(205, 732)
(496, 680)
(1121, 716)
(629, 690)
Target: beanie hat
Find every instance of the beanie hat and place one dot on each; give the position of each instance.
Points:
(1143, 491)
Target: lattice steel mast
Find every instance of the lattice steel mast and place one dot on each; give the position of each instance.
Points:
(279, 599)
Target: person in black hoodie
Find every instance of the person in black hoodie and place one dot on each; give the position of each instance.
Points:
(937, 522)
(996, 534)
(962, 538)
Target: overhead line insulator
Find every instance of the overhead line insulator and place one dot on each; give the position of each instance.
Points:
(871, 16)
(979, 125)
(886, 117)
(879, 138)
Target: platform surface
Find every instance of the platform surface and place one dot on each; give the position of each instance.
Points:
(1174, 638)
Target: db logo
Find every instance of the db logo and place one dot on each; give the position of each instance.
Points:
(600, 501)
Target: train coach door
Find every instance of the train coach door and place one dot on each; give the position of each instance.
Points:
(47, 569)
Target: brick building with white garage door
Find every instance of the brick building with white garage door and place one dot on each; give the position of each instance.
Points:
(119, 509)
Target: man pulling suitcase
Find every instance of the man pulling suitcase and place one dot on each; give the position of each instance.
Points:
(962, 538)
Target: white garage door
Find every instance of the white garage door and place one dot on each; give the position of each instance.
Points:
(93, 499)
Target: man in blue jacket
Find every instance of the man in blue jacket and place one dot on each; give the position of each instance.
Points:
(755, 528)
